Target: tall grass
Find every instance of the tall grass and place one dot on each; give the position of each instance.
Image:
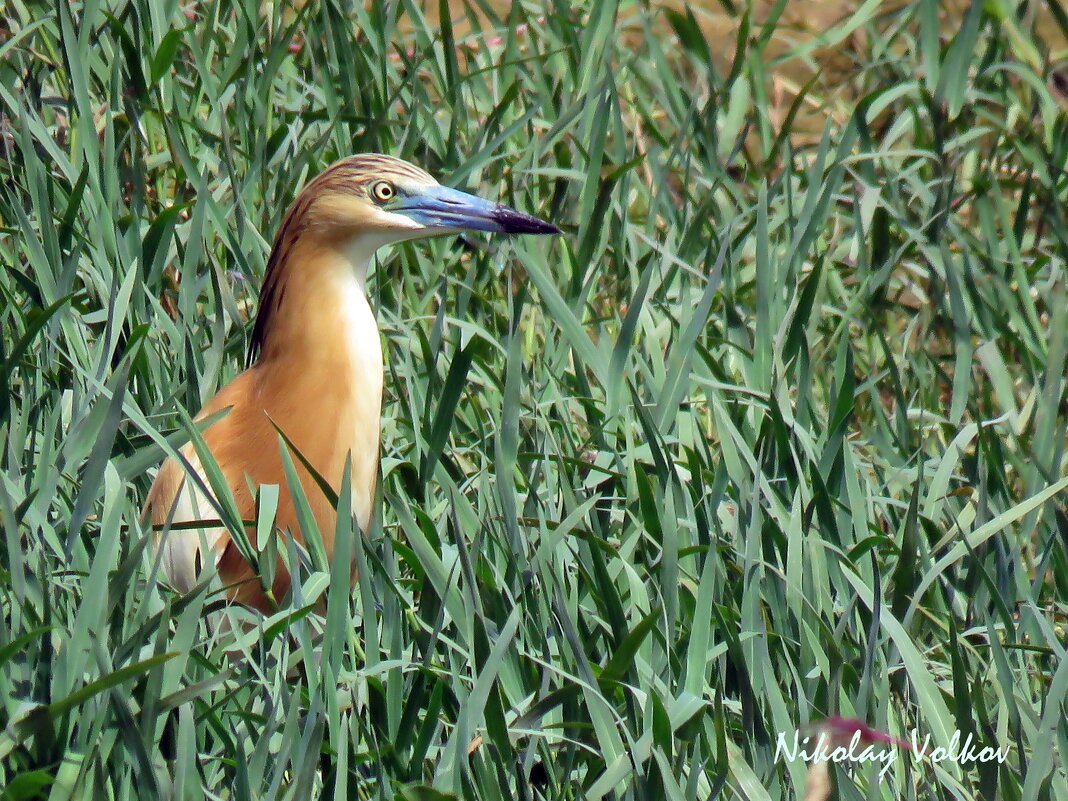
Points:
(777, 429)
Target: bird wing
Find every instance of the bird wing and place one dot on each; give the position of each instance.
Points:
(244, 443)
(177, 498)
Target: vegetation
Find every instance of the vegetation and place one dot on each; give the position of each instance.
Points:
(776, 430)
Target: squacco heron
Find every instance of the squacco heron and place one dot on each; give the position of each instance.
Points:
(839, 739)
(316, 364)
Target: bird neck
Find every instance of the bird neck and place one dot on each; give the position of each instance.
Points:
(319, 372)
(314, 311)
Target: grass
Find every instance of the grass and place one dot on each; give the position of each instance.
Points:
(776, 430)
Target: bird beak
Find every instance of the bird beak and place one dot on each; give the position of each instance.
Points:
(449, 209)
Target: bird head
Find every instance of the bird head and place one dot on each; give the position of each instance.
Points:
(839, 731)
(382, 199)
(358, 205)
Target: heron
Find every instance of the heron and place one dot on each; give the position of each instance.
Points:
(836, 733)
(315, 367)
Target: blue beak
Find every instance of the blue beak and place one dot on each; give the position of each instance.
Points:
(444, 207)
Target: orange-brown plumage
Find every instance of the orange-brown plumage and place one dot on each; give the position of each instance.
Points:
(316, 358)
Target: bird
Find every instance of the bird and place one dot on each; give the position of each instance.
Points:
(834, 733)
(314, 367)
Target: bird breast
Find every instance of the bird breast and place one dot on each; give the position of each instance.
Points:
(325, 390)
(363, 357)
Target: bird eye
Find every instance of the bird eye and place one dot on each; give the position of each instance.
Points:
(383, 191)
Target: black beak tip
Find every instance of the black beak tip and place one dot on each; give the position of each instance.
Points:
(540, 227)
(516, 222)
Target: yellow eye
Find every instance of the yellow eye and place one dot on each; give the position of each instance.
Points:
(382, 191)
